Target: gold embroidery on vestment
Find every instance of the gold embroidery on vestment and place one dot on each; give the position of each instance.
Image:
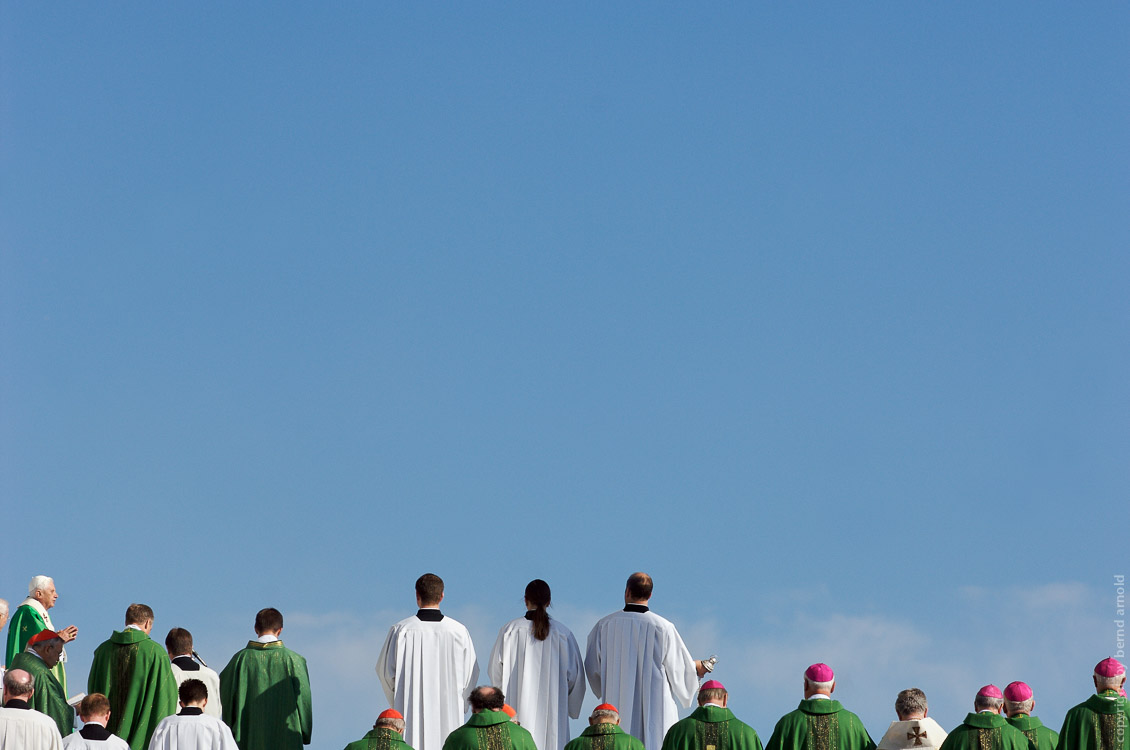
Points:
(122, 660)
(823, 732)
(494, 737)
(712, 735)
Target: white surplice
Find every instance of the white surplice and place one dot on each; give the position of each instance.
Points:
(427, 670)
(27, 729)
(75, 741)
(198, 732)
(913, 733)
(543, 681)
(637, 662)
(211, 680)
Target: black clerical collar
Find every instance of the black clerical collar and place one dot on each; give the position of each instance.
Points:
(635, 608)
(17, 703)
(429, 615)
(187, 663)
(191, 711)
(94, 731)
(529, 614)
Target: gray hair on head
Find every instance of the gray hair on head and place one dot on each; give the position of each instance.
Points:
(823, 687)
(1014, 707)
(1109, 683)
(909, 702)
(984, 702)
(39, 583)
(604, 716)
(397, 725)
(18, 682)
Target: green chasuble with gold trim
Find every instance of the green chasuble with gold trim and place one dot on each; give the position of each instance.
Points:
(134, 672)
(265, 694)
(711, 728)
(489, 730)
(26, 622)
(1040, 736)
(1097, 723)
(48, 697)
(820, 725)
(986, 731)
(380, 739)
(604, 737)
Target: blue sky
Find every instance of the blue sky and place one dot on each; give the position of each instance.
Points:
(816, 313)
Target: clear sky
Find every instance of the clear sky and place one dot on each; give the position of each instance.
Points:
(816, 312)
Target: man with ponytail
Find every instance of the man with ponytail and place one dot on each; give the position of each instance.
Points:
(537, 664)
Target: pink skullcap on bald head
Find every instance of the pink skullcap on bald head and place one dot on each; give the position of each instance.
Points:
(990, 691)
(1017, 692)
(820, 673)
(712, 685)
(1109, 667)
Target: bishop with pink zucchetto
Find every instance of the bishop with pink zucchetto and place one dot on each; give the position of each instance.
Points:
(1102, 722)
(985, 728)
(712, 726)
(819, 722)
(1018, 703)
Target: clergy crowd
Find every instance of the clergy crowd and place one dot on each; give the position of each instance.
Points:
(141, 696)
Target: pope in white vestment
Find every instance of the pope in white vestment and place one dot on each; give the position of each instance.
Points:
(27, 729)
(544, 681)
(192, 730)
(636, 661)
(428, 668)
(913, 734)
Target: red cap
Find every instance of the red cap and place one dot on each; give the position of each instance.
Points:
(606, 707)
(1109, 667)
(390, 713)
(820, 673)
(1017, 692)
(990, 691)
(41, 636)
(712, 685)
(509, 710)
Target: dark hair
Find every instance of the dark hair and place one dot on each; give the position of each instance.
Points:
(94, 704)
(192, 691)
(487, 698)
(178, 642)
(429, 587)
(639, 586)
(537, 594)
(18, 682)
(138, 613)
(268, 618)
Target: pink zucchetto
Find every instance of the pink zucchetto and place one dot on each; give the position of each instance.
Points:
(819, 673)
(712, 685)
(990, 691)
(1109, 667)
(1017, 692)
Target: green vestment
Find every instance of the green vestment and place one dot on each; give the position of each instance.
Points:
(265, 694)
(26, 622)
(134, 672)
(985, 731)
(820, 725)
(1040, 736)
(711, 728)
(1096, 724)
(604, 737)
(48, 697)
(380, 739)
(489, 730)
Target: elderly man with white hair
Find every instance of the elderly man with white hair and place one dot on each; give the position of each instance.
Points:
(387, 733)
(604, 732)
(38, 660)
(985, 728)
(819, 722)
(1018, 704)
(31, 617)
(1102, 722)
(21, 728)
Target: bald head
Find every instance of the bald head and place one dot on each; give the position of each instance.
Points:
(18, 684)
(639, 588)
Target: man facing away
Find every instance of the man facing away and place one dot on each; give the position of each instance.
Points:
(1018, 705)
(387, 734)
(985, 728)
(31, 617)
(265, 691)
(427, 667)
(39, 659)
(489, 728)
(636, 660)
(192, 728)
(133, 671)
(1102, 722)
(94, 710)
(820, 723)
(914, 729)
(712, 726)
(185, 667)
(21, 728)
(604, 732)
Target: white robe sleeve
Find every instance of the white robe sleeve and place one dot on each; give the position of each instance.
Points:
(575, 678)
(494, 662)
(592, 661)
(471, 667)
(679, 667)
(386, 665)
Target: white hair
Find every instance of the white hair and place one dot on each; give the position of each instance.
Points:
(39, 583)
(3, 606)
(1020, 706)
(397, 725)
(983, 702)
(605, 715)
(820, 687)
(1109, 683)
